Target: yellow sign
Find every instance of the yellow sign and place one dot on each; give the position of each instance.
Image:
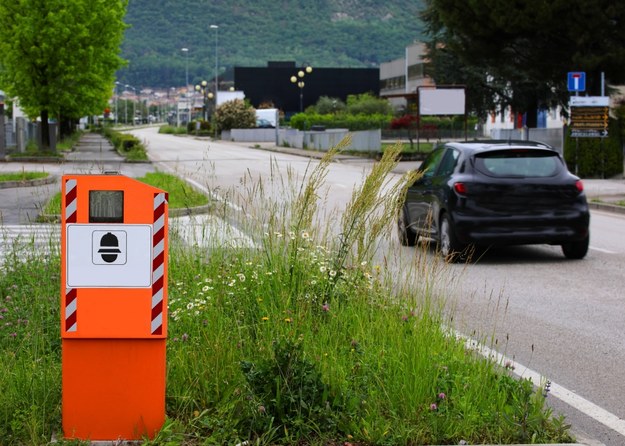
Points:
(589, 118)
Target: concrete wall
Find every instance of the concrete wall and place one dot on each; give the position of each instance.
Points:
(249, 135)
(364, 141)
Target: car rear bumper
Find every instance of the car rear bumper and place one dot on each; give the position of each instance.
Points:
(520, 230)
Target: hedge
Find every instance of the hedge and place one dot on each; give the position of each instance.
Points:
(596, 157)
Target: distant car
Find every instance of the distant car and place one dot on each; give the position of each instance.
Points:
(264, 124)
(496, 193)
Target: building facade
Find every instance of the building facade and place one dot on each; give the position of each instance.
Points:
(400, 78)
(271, 86)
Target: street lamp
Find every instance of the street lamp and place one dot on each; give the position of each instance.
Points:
(186, 51)
(299, 81)
(216, 28)
(125, 106)
(133, 105)
(116, 101)
(201, 88)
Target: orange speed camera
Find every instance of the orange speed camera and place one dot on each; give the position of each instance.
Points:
(113, 307)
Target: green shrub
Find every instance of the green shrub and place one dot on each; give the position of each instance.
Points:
(367, 104)
(596, 157)
(235, 114)
(290, 391)
(172, 130)
(204, 129)
(303, 121)
(127, 145)
(326, 105)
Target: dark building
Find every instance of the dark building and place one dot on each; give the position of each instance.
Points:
(272, 84)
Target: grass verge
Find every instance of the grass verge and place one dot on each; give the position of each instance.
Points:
(305, 338)
(127, 145)
(67, 143)
(22, 176)
(173, 130)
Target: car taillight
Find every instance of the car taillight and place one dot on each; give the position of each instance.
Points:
(460, 188)
(579, 185)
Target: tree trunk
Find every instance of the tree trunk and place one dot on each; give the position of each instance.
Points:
(45, 132)
(531, 120)
(67, 127)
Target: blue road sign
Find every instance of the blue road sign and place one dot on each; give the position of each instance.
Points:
(576, 81)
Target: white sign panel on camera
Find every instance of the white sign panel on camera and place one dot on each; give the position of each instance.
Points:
(109, 256)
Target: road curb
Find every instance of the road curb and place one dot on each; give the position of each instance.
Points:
(28, 183)
(606, 207)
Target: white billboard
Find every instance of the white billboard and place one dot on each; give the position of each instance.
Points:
(441, 101)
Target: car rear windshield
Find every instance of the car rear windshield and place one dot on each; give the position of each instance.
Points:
(518, 163)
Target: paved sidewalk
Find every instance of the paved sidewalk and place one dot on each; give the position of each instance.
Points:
(94, 148)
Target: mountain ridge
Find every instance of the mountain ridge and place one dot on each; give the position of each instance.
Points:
(329, 33)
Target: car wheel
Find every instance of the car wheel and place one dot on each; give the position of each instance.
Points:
(576, 250)
(407, 236)
(450, 248)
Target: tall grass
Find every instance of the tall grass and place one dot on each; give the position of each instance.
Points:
(30, 367)
(308, 337)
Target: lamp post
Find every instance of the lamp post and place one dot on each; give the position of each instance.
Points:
(216, 28)
(125, 106)
(299, 81)
(186, 52)
(201, 88)
(116, 102)
(133, 105)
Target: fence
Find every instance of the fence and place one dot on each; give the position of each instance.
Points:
(361, 141)
(19, 132)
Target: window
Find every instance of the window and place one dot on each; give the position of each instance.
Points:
(518, 163)
(448, 164)
(106, 206)
(431, 163)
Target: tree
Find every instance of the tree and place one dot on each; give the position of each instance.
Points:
(524, 49)
(235, 114)
(410, 123)
(59, 57)
(368, 104)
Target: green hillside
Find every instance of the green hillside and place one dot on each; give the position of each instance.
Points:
(328, 33)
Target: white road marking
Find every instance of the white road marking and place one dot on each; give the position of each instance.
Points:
(605, 251)
(568, 396)
(214, 196)
(205, 189)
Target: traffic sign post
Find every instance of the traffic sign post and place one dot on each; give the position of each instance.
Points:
(113, 307)
(576, 81)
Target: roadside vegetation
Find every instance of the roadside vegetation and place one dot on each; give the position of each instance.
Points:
(307, 337)
(68, 142)
(172, 130)
(32, 150)
(127, 145)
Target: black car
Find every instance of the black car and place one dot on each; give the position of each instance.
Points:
(495, 193)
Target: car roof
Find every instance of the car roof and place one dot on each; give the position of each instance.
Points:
(498, 144)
